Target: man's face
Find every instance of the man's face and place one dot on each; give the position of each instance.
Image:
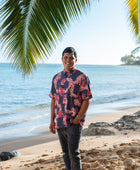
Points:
(68, 61)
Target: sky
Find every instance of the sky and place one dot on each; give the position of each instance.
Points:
(101, 36)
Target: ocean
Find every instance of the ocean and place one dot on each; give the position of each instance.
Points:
(25, 101)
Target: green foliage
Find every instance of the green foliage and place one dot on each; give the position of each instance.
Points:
(130, 60)
(136, 50)
(31, 28)
(134, 16)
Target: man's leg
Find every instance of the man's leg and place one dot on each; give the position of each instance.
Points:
(62, 134)
(74, 134)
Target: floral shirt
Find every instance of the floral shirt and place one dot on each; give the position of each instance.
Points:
(69, 90)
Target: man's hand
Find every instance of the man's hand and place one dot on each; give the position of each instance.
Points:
(82, 111)
(52, 127)
(76, 120)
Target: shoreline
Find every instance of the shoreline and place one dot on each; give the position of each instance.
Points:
(44, 151)
(16, 144)
(46, 136)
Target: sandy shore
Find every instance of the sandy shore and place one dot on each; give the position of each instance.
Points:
(115, 152)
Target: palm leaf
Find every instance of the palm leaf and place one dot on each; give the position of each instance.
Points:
(134, 16)
(31, 28)
(136, 50)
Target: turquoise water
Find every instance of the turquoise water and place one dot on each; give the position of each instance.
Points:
(25, 102)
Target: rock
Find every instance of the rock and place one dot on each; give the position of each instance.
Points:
(94, 131)
(100, 124)
(137, 114)
(99, 128)
(128, 118)
(85, 132)
(128, 122)
(100, 131)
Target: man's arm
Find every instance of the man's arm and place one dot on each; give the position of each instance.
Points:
(82, 111)
(52, 124)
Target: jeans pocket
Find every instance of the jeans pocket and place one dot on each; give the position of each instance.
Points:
(78, 125)
(76, 128)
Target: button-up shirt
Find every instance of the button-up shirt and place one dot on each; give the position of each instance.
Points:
(69, 89)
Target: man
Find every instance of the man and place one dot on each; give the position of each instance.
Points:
(70, 95)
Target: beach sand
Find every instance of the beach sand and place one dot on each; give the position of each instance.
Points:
(115, 152)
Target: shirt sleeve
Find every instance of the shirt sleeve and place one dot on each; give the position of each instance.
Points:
(85, 89)
(53, 90)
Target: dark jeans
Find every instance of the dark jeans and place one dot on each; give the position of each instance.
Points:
(69, 139)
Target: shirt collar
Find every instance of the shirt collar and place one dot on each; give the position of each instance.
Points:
(69, 72)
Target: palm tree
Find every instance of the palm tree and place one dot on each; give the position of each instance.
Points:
(134, 18)
(31, 28)
(136, 50)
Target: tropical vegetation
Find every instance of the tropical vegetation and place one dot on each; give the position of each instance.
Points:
(130, 60)
(31, 28)
(134, 18)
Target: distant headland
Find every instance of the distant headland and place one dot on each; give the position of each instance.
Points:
(130, 60)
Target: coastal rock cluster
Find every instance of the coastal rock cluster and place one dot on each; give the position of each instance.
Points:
(99, 128)
(127, 122)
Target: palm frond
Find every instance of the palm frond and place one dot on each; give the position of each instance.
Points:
(136, 50)
(31, 28)
(134, 15)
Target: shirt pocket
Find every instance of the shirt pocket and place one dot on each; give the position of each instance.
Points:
(74, 89)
